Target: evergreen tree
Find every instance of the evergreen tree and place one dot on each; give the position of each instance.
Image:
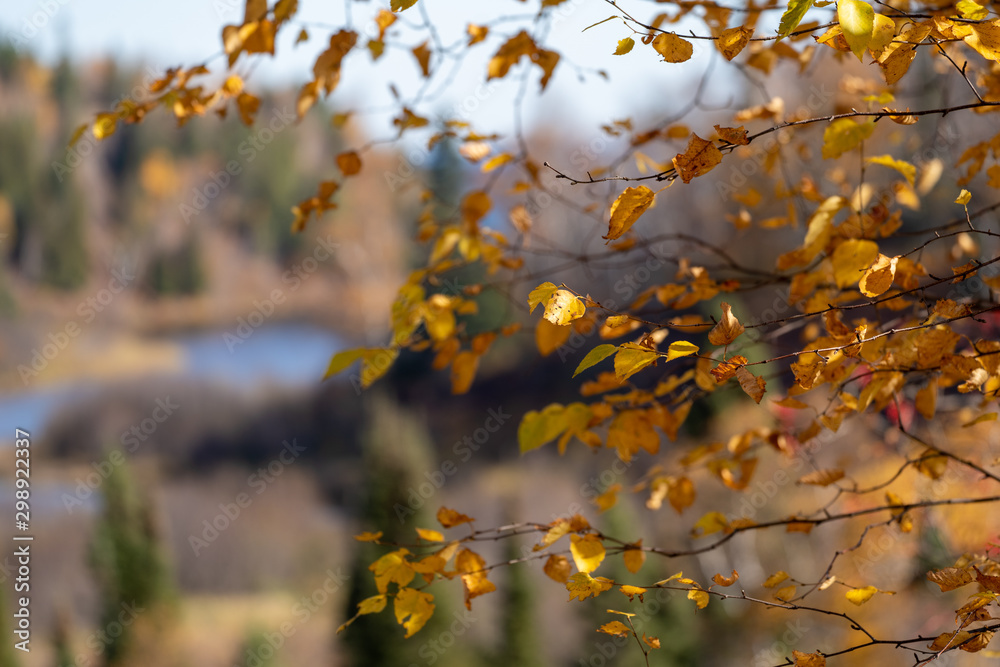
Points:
(127, 560)
(519, 636)
(396, 452)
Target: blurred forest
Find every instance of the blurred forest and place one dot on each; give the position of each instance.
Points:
(196, 485)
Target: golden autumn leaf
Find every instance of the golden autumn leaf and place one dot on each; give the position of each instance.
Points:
(785, 593)
(701, 157)
(634, 557)
(824, 477)
(349, 163)
(672, 48)
(631, 358)
(449, 518)
(413, 609)
(476, 33)
(651, 642)
(368, 536)
(550, 337)
(616, 628)
(726, 581)
(985, 38)
(563, 307)
(423, 56)
(587, 551)
(472, 567)
(859, 596)
(857, 21)
(581, 586)
(394, 568)
(632, 591)
(727, 330)
(877, 278)
(950, 578)
(557, 568)
(808, 659)
(727, 369)
(699, 597)
(845, 134)
(711, 522)
(627, 208)
(730, 42)
(775, 579)
(737, 136)
(851, 258)
(430, 535)
(608, 499)
(463, 371)
(754, 386)
(624, 46)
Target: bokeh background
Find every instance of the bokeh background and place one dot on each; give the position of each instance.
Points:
(164, 336)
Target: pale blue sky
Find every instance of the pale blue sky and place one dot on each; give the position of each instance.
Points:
(187, 31)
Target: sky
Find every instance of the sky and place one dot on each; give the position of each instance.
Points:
(185, 32)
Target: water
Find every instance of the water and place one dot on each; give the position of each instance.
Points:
(290, 355)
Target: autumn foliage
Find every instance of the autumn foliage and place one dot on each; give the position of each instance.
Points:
(888, 318)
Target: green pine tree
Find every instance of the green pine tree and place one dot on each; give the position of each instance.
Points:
(127, 560)
(396, 452)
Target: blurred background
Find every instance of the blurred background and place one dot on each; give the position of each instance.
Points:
(195, 486)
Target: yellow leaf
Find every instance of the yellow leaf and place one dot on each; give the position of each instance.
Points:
(859, 596)
(726, 581)
(950, 578)
(595, 356)
(808, 659)
(608, 499)
(449, 518)
(105, 125)
(634, 557)
(616, 628)
(368, 536)
(651, 642)
(581, 586)
(734, 40)
(496, 162)
(700, 598)
(632, 591)
(728, 329)
(400, 5)
(632, 358)
(883, 30)
(908, 171)
(628, 207)
(877, 278)
(430, 535)
(557, 568)
(509, 54)
(737, 136)
(550, 337)
(926, 400)
(473, 570)
(474, 206)
(631, 430)
(950, 640)
(775, 579)
(587, 551)
(844, 134)
(754, 386)
(712, 522)
(857, 20)
(785, 593)
(681, 348)
(392, 568)
(963, 197)
(672, 48)
(372, 605)
(624, 46)
(985, 39)
(463, 371)
(700, 158)
(987, 417)
(540, 294)
(824, 477)
(563, 307)
(680, 493)
(477, 33)
(423, 56)
(851, 258)
(349, 163)
(413, 609)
